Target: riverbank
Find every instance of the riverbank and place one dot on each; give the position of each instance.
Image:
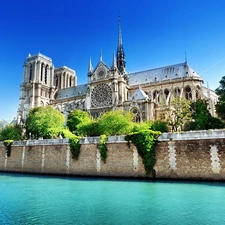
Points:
(188, 155)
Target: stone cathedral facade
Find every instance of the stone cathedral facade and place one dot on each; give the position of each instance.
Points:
(109, 87)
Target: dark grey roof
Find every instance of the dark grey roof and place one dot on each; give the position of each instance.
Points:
(161, 74)
(76, 91)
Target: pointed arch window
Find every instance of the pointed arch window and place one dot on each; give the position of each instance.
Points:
(56, 80)
(31, 71)
(42, 68)
(46, 74)
(70, 82)
(188, 94)
(136, 114)
(177, 92)
(166, 93)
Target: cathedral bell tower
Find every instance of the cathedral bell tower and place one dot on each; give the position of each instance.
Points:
(38, 87)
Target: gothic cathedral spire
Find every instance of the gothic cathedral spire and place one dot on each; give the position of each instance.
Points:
(120, 56)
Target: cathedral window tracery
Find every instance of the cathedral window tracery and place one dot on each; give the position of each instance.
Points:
(177, 92)
(101, 96)
(188, 94)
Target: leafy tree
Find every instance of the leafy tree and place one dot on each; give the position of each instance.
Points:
(177, 113)
(11, 132)
(116, 122)
(76, 118)
(220, 106)
(161, 126)
(156, 125)
(201, 117)
(41, 119)
(89, 128)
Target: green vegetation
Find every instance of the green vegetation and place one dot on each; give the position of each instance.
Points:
(220, 106)
(11, 132)
(145, 141)
(176, 114)
(116, 123)
(77, 117)
(102, 147)
(8, 144)
(201, 119)
(41, 119)
(74, 147)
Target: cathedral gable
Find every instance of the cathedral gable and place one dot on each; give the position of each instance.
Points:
(101, 72)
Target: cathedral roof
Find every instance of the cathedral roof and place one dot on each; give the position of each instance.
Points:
(161, 74)
(71, 92)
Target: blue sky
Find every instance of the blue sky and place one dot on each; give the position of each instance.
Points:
(155, 33)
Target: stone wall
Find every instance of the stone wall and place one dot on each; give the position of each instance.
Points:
(189, 155)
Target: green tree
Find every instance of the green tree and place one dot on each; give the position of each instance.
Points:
(116, 122)
(220, 106)
(76, 118)
(177, 113)
(40, 119)
(201, 117)
(11, 132)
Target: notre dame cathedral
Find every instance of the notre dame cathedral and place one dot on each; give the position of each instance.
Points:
(108, 87)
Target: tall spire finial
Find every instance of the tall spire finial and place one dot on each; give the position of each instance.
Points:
(120, 56)
(120, 42)
(90, 68)
(101, 55)
(114, 66)
(185, 56)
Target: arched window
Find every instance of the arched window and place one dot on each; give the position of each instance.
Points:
(188, 94)
(156, 96)
(31, 71)
(136, 114)
(56, 81)
(198, 92)
(166, 93)
(177, 92)
(46, 74)
(70, 82)
(42, 68)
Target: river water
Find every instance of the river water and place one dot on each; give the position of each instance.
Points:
(33, 199)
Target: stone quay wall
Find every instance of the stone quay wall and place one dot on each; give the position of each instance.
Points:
(196, 155)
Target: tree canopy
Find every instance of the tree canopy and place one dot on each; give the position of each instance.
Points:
(177, 113)
(40, 119)
(201, 119)
(220, 106)
(77, 117)
(11, 132)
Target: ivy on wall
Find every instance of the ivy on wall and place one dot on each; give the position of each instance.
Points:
(102, 147)
(74, 147)
(8, 144)
(145, 142)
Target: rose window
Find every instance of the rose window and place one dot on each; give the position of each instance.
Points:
(101, 96)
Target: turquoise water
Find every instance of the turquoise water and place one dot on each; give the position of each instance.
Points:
(28, 199)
